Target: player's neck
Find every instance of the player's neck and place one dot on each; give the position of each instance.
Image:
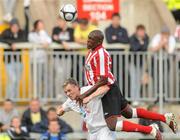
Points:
(97, 47)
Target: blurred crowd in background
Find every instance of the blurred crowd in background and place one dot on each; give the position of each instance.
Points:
(33, 120)
(45, 123)
(78, 30)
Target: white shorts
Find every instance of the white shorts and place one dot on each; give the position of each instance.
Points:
(102, 134)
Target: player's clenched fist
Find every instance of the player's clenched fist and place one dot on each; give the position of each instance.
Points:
(59, 111)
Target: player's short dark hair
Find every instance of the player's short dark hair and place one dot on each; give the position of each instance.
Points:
(98, 35)
(51, 109)
(140, 27)
(70, 81)
(115, 15)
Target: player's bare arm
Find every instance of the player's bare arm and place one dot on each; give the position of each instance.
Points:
(99, 92)
(101, 82)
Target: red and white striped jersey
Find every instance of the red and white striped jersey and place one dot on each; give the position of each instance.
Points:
(98, 63)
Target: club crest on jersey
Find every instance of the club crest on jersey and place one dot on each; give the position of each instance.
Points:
(87, 67)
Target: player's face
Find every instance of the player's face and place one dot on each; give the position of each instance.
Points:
(72, 91)
(91, 42)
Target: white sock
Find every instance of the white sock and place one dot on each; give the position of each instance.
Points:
(119, 126)
(134, 113)
(153, 132)
(154, 129)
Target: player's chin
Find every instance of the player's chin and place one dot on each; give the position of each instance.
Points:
(88, 47)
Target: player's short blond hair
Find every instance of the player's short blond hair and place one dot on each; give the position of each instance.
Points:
(70, 81)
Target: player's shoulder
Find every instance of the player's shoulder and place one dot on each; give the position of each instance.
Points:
(102, 51)
(68, 104)
(84, 89)
(68, 101)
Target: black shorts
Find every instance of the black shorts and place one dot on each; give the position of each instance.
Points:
(113, 102)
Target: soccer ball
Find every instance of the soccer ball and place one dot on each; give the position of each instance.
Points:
(68, 12)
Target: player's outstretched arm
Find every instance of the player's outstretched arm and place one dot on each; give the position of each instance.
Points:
(99, 92)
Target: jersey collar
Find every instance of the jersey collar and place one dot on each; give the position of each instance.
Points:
(98, 47)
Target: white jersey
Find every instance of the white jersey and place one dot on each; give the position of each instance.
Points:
(92, 114)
